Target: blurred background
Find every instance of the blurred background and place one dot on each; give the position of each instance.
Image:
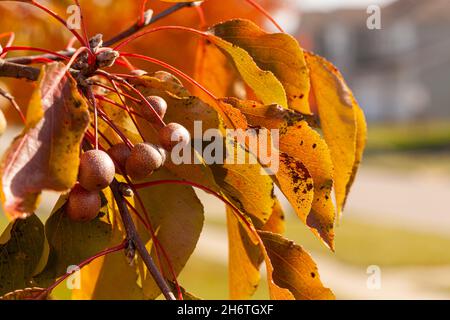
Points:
(397, 221)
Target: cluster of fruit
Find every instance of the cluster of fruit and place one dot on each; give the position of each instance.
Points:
(98, 168)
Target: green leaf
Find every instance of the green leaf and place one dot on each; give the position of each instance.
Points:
(279, 53)
(21, 247)
(46, 155)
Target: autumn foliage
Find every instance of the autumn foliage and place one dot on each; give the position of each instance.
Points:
(97, 128)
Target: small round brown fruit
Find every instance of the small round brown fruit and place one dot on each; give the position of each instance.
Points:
(158, 104)
(143, 160)
(96, 170)
(173, 134)
(119, 153)
(83, 205)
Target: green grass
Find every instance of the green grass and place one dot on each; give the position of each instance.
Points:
(362, 243)
(410, 161)
(425, 136)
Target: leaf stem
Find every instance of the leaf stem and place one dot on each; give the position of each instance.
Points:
(265, 13)
(26, 48)
(171, 68)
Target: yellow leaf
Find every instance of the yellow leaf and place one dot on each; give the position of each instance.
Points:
(279, 53)
(293, 269)
(361, 137)
(276, 222)
(264, 83)
(214, 71)
(305, 145)
(336, 108)
(244, 259)
(296, 184)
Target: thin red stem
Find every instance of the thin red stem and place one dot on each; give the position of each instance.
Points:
(265, 13)
(61, 20)
(141, 20)
(141, 34)
(103, 253)
(128, 64)
(110, 123)
(19, 111)
(171, 68)
(110, 101)
(201, 187)
(26, 48)
(147, 223)
(83, 23)
(101, 85)
(158, 244)
(145, 101)
(71, 43)
(116, 89)
(41, 60)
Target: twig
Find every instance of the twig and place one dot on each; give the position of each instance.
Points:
(13, 70)
(138, 26)
(134, 237)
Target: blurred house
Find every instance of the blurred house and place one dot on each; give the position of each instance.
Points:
(400, 72)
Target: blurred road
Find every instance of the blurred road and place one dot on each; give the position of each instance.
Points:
(415, 200)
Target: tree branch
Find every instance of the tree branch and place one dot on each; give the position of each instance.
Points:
(137, 27)
(134, 237)
(14, 70)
